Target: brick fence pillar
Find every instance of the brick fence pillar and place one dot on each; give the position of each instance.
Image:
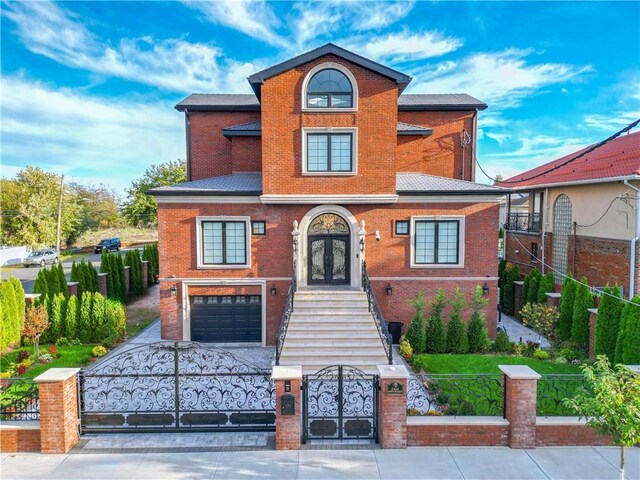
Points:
(29, 298)
(102, 282)
(553, 299)
(593, 317)
(145, 273)
(127, 276)
(393, 406)
(73, 288)
(58, 409)
(517, 298)
(521, 384)
(288, 407)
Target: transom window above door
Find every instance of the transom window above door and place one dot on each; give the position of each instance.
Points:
(329, 88)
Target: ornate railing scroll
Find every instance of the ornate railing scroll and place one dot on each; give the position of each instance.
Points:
(553, 389)
(376, 313)
(19, 399)
(288, 308)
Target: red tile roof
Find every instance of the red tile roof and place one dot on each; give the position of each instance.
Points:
(618, 158)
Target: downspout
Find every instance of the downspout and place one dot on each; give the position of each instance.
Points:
(634, 241)
(187, 127)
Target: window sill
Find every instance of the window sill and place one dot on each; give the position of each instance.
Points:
(329, 110)
(329, 174)
(437, 265)
(223, 267)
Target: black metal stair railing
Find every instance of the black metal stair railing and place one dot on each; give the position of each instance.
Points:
(286, 315)
(376, 313)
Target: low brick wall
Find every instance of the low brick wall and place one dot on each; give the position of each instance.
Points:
(560, 431)
(457, 431)
(20, 436)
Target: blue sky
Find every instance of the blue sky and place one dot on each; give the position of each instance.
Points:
(88, 88)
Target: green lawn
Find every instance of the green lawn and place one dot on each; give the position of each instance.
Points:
(71, 356)
(473, 363)
(135, 328)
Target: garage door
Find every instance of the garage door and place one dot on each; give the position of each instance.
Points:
(226, 318)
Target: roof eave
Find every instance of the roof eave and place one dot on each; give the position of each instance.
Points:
(241, 133)
(218, 108)
(203, 193)
(453, 192)
(574, 183)
(445, 108)
(420, 133)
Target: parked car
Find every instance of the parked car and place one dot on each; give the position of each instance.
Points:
(108, 245)
(41, 257)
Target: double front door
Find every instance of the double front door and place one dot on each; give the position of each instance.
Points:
(328, 257)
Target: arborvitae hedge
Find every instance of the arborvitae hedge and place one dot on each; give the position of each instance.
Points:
(11, 313)
(547, 285)
(608, 323)
(457, 341)
(71, 318)
(631, 342)
(40, 284)
(122, 281)
(477, 328)
(55, 329)
(62, 280)
(525, 290)
(416, 332)
(508, 297)
(502, 266)
(580, 326)
(567, 299)
(534, 284)
(436, 336)
(105, 267)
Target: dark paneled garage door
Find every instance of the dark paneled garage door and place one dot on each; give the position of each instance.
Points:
(226, 318)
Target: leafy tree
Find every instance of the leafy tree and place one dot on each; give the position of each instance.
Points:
(148, 255)
(534, 284)
(503, 283)
(457, 341)
(610, 401)
(580, 325)
(541, 317)
(547, 285)
(71, 318)
(477, 328)
(608, 323)
(416, 332)
(141, 209)
(508, 297)
(436, 336)
(99, 206)
(36, 322)
(567, 299)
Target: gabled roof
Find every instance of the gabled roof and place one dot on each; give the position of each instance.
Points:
(423, 184)
(234, 184)
(254, 129)
(258, 78)
(619, 158)
(436, 101)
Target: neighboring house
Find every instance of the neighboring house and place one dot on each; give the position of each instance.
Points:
(518, 203)
(584, 217)
(326, 165)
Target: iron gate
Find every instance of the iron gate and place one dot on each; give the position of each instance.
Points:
(169, 386)
(340, 403)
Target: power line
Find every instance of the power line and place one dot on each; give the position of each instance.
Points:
(567, 162)
(619, 197)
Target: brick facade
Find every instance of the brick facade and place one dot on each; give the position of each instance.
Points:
(435, 433)
(20, 436)
(393, 406)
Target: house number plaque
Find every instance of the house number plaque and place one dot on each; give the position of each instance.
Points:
(287, 404)
(395, 388)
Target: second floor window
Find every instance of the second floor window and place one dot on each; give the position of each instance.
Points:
(224, 242)
(329, 152)
(329, 88)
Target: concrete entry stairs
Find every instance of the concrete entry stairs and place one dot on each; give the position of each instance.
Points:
(332, 326)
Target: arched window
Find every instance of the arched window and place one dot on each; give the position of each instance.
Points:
(329, 88)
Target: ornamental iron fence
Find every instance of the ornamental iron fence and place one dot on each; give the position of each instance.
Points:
(552, 390)
(524, 222)
(19, 399)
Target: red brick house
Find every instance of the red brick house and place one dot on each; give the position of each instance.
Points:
(583, 216)
(326, 165)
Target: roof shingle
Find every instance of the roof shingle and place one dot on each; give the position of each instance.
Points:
(420, 183)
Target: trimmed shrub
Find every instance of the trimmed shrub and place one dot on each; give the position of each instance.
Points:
(542, 318)
(477, 329)
(416, 332)
(93, 276)
(502, 343)
(40, 285)
(105, 267)
(71, 318)
(62, 280)
(85, 333)
(580, 326)
(547, 285)
(608, 323)
(508, 297)
(53, 281)
(56, 319)
(116, 317)
(122, 281)
(631, 341)
(457, 341)
(100, 328)
(567, 299)
(11, 320)
(436, 336)
(534, 284)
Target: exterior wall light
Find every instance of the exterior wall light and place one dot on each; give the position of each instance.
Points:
(485, 290)
(173, 290)
(378, 235)
(389, 289)
(274, 290)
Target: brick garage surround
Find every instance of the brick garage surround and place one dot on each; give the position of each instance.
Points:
(387, 259)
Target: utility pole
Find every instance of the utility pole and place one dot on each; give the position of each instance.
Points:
(59, 214)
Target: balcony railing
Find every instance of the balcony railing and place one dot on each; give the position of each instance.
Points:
(524, 222)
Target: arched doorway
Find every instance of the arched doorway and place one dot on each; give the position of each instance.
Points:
(328, 250)
(562, 214)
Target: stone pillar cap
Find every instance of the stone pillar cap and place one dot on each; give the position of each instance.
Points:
(31, 295)
(54, 375)
(286, 373)
(519, 372)
(71, 284)
(553, 294)
(592, 310)
(103, 274)
(393, 371)
(519, 282)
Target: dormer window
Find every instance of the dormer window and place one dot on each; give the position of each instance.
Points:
(330, 87)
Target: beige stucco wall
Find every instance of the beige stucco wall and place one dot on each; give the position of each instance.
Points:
(589, 202)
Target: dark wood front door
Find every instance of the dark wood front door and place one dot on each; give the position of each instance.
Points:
(328, 260)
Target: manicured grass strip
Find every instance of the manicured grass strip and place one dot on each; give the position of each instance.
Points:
(135, 328)
(71, 356)
(457, 364)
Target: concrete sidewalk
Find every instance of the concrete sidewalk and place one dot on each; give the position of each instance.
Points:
(494, 463)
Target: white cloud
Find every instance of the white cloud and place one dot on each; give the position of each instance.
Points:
(171, 64)
(400, 47)
(502, 79)
(252, 17)
(112, 141)
(613, 122)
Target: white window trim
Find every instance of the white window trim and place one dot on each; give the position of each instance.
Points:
(354, 150)
(340, 68)
(461, 241)
(247, 234)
